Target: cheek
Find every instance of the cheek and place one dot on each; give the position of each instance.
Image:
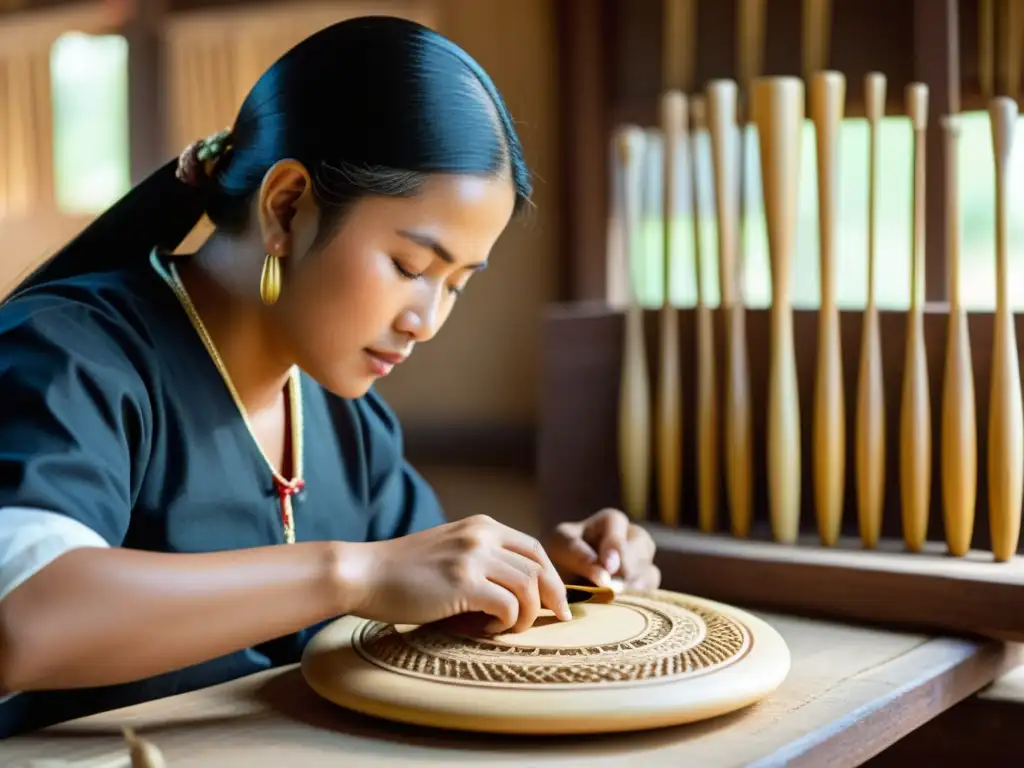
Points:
(345, 303)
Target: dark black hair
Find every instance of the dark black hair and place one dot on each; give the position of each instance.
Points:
(370, 106)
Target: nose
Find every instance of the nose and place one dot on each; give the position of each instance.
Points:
(422, 320)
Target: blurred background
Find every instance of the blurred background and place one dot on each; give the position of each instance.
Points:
(96, 93)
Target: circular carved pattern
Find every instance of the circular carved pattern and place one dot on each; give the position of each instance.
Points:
(679, 639)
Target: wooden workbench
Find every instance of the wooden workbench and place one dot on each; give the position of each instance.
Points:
(852, 692)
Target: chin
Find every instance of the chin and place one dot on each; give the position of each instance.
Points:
(349, 388)
(343, 375)
(346, 386)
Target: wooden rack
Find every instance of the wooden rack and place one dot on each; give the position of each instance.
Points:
(578, 474)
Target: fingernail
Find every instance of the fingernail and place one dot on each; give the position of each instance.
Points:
(601, 577)
(566, 613)
(612, 561)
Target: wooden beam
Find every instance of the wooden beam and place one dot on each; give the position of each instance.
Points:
(583, 84)
(147, 89)
(937, 64)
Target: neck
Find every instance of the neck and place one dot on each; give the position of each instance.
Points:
(237, 326)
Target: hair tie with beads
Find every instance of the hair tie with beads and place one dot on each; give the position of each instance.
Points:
(197, 161)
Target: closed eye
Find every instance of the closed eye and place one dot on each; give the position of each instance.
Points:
(404, 272)
(452, 289)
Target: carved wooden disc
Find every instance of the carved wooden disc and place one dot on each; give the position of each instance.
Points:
(643, 661)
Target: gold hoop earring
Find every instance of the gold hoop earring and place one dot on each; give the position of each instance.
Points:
(270, 279)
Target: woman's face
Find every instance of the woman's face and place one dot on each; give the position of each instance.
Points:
(388, 279)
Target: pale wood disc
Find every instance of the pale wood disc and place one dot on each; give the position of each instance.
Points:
(646, 660)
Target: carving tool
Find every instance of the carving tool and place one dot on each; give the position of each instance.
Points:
(587, 593)
(1006, 423)
(777, 105)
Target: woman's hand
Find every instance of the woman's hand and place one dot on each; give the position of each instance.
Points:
(604, 546)
(475, 565)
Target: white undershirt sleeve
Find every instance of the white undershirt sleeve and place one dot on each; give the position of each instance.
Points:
(31, 539)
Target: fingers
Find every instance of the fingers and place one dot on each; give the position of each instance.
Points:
(494, 600)
(647, 579)
(639, 553)
(550, 584)
(624, 550)
(608, 531)
(521, 577)
(482, 536)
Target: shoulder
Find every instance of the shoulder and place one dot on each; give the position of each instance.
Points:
(96, 322)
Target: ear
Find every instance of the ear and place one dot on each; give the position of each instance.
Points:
(286, 208)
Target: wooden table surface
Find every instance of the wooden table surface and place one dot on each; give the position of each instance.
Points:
(852, 692)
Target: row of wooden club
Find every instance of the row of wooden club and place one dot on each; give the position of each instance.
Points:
(776, 112)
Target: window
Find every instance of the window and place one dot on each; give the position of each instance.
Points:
(894, 217)
(89, 81)
(977, 201)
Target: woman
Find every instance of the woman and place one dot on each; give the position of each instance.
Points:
(195, 473)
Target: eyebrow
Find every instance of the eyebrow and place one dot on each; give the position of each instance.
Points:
(428, 242)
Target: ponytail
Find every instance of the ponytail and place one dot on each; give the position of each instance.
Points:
(158, 212)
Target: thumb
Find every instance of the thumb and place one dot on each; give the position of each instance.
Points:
(611, 530)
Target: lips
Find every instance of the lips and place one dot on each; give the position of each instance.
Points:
(391, 358)
(382, 362)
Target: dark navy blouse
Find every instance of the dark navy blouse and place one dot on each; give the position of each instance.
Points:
(113, 413)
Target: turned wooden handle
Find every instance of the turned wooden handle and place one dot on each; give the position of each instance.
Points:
(721, 107)
(959, 429)
(917, 109)
(777, 105)
(669, 405)
(870, 423)
(634, 388)
(1006, 428)
(828, 94)
(707, 385)
(915, 415)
